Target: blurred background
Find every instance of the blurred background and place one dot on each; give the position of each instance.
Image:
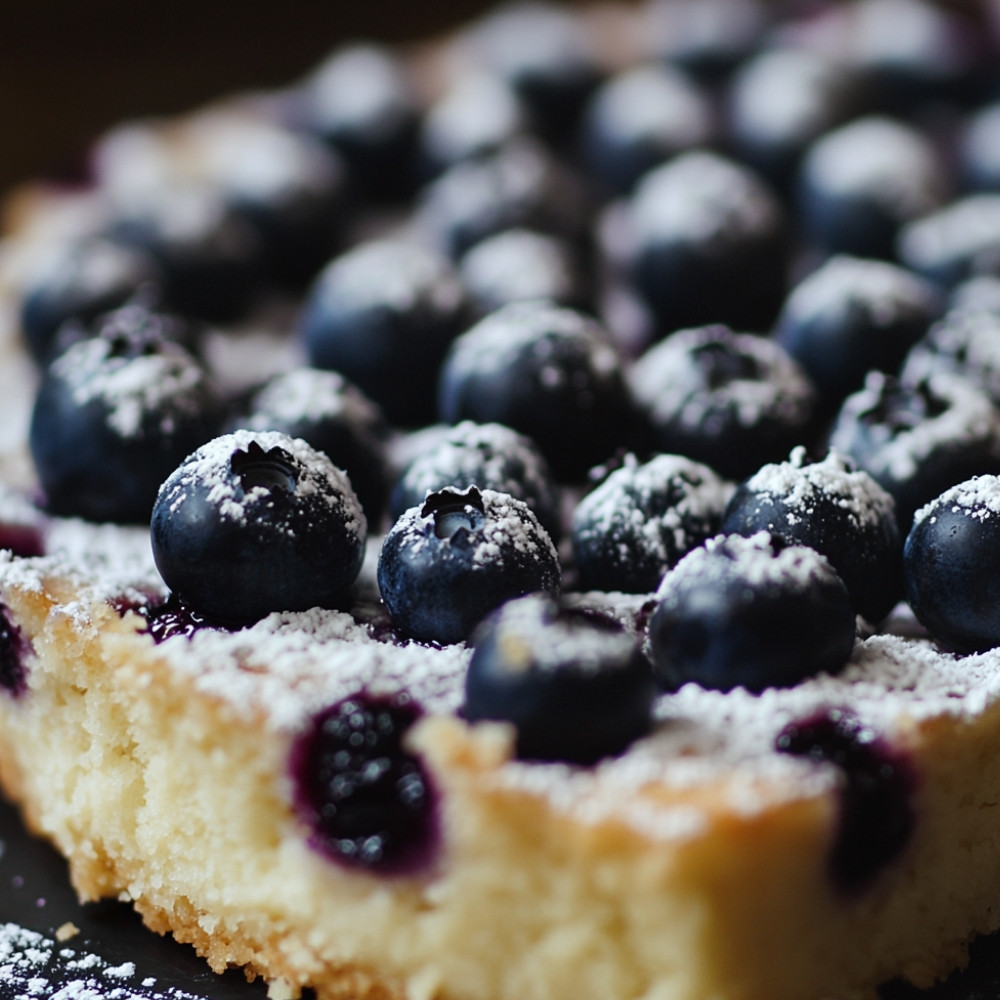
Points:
(68, 69)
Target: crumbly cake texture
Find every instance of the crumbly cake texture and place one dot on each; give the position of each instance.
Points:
(696, 866)
(679, 870)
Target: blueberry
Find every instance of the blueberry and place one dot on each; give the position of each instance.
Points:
(292, 188)
(521, 186)
(477, 116)
(731, 400)
(334, 417)
(255, 522)
(952, 565)
(876, 815)
(369, 801)
(751, 612)
(543, 51)
(914, 53)
(918, 439)
(384, 314)
(781, 100)
(446, 564)
(966, 341)
(639, 119)
(361, 102)
(14, 650)
(850, 316)
(979, 149)
(210, 256)
(640, 521)
(836, 509)
(112, 418)
(955, 243)
(708, 244)
(489, 456)
(861, 183)
(547, 372)
(78, 283)
(708, 38)
(576, 687)
(519, 265)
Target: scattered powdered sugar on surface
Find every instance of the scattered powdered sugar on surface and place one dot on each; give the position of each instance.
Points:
(35, 967)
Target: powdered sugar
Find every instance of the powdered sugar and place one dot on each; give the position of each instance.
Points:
(35, 966)
(701, 198)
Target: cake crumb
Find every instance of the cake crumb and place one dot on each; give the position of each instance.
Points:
(66, 931)
(282, 989)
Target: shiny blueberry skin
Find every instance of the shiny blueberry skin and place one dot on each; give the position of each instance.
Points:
(835, 509)
(14, 649)
(333, 416)
(639, 522)
(112, 418)
(708, 244)
(489, 456)
(255, 522)
(383, 315)
(750, 612)
(446, 564)
(877, 816)
(547, 372)
(639, 119)
(860, 183)
(576, 687)
(361, 103)
(370, 803)
(951, 565)
(918, 439)
(731, 400)
(852, 315)
(83, 281)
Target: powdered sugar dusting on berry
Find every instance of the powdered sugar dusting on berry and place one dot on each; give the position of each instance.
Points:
(211, 467)
(699, 198)
(978, 498)
(133, 389)
(800, 484)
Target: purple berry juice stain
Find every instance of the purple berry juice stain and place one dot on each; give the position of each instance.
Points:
(13, 652)
(369, 802)
(876, 817)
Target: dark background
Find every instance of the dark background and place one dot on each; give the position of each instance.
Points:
(70, 68)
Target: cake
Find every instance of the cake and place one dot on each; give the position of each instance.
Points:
(520, 706)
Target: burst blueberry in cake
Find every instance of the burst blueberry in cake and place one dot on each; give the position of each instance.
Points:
(616, 698)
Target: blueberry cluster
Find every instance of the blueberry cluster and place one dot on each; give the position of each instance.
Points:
(712, 320)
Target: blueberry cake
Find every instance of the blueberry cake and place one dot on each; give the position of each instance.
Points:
(518, 516)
